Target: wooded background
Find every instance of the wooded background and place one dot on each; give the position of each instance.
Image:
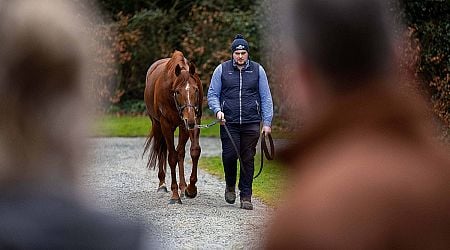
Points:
(139, 32)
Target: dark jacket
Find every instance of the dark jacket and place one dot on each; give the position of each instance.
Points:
(239, 99)
(32, 220)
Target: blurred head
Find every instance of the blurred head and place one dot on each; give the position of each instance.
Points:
(348, 41)
(338, 46)
(43, 65)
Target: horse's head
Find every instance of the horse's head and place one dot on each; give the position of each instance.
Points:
(187, 95)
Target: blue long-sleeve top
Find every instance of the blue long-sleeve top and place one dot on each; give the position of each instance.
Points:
(215, 88)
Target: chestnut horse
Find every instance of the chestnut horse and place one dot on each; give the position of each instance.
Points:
(173, 96)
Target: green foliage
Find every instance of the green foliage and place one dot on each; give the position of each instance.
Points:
(202, 30)
(211, 32)
(145, 31)
(129, 107)
(132, 7)
(430, 24)
(268, 186)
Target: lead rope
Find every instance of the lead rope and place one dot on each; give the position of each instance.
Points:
(208, 125)
(235, 147)
(264, 149)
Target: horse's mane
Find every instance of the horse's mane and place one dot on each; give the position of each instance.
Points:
(184, 76)
(177, 58)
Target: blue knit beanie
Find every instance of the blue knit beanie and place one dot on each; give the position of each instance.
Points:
(239, 43)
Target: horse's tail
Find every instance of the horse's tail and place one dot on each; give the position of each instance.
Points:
(157, 147)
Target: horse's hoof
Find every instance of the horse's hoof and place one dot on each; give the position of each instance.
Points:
(175, 201)
(182, 192)
(162, 189)
(191, 194)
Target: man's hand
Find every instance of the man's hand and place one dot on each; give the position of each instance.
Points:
(266, 129)
(221, 117)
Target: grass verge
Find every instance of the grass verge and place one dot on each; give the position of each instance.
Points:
(267, 187)
(121, 126)
(137, 126)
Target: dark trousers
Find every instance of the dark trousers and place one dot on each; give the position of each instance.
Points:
(245, 137)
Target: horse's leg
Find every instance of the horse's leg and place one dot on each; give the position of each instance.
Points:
(157, 135)
(162, 175)
(195, 151)
(168, 131)
(181, 149)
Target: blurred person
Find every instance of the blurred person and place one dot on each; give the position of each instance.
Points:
(43, 71)
(367, 173)
(239, 96)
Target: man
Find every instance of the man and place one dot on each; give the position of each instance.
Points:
(239, 96)
(44, 64)
(367, 173)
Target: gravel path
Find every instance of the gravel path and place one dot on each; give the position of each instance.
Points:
(121, 183)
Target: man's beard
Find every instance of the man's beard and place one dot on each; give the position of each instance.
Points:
(241, 64)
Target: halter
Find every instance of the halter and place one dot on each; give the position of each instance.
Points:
(181, 108)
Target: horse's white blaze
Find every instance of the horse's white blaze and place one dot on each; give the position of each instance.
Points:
(187, 90)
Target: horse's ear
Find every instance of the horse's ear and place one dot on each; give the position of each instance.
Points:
(191, 68)
(177, 70)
